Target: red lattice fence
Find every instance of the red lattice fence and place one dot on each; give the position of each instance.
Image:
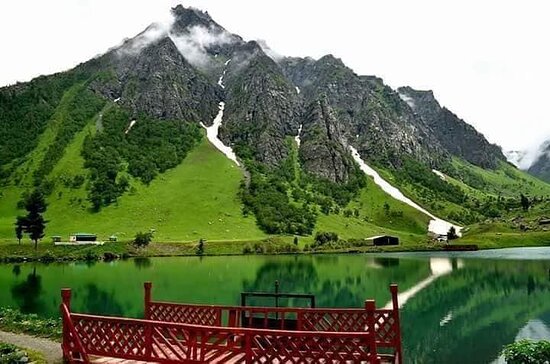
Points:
(167, 342)
(175, 333)
(385, 321)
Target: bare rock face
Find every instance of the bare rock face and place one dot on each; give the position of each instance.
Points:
(159, 81)
(456, 136)
(323, 149)
(261, 106)
(371, 116)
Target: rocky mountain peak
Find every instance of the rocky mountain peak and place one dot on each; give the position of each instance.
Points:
(330, 59)
(188, 17)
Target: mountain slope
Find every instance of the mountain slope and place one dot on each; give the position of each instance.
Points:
(116, 145)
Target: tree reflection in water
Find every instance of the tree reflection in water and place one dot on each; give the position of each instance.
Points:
(142, 262)
(27, 293)
(101, 302)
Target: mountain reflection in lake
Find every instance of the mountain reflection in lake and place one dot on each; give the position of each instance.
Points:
(455, 308)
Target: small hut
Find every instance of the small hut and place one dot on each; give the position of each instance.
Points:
(82, 237)
(384, 240)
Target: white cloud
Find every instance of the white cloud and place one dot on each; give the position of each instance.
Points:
(193, 46)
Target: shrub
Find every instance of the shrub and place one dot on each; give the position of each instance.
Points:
(324, 237)
(200, 247)
(247, 249)
(15, 321)
(90, 256)
(526, 352)
(143, 239)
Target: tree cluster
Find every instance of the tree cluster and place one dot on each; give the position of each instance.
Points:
(150, 147)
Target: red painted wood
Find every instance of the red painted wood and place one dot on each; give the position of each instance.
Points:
(174, 333)
(147, 300)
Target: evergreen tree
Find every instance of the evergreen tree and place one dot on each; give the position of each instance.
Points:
(451, 234)
(20, 225)
(525, 203)
(35, 204)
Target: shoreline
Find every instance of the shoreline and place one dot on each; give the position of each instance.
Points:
(49, 253)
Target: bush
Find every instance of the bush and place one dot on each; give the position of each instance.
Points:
(90, 256)
(143, 239)
(200, 247)
(324, 237)
(527, 352)
(15, 321)
(247, 249)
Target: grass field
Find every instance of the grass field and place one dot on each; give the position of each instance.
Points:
(197, 199)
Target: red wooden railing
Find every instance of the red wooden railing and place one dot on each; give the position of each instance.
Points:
(175, 333)
(385, 321)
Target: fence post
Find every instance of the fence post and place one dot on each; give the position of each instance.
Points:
(395, 304)
(370, 307)
(248, 347)
(148, 340)
(147, 300)
(65, 301)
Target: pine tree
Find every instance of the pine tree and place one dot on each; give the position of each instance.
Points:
(525, 203)
(20, 225)
(35, 204)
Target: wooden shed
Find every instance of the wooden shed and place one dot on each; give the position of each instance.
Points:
(384, 240)
(78, 237)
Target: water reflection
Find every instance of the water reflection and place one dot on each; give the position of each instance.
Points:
(468, 314)
(142, 262)
(16, 270)
(457, 310)
(27, 293)
(100, 301)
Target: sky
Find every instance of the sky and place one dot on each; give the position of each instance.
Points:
(487, 61)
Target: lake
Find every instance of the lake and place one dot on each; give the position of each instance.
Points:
(458, 307)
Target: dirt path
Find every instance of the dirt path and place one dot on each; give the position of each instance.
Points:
(50, 349)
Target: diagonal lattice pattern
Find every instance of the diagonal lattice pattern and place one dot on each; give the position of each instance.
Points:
(387, 330)
(111, 337)
(185, 314)
(334, 321)
(174, 343)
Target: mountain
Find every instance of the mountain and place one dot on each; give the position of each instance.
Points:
(118, 144)
(535, 161)
(541, 165)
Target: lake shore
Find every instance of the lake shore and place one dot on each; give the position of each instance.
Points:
(48, 252)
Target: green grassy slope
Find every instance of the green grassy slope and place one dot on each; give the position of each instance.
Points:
(401, 219)
(197, 199)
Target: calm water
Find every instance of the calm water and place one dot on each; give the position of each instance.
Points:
(459, 307)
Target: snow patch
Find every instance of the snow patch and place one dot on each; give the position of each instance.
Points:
(445, 320)
(132, 123)
(436, 226)
(438, 266)
(297, 90)
(439, 174)
(297, 137)
(220, 80)
(212, 135)
(409, 100)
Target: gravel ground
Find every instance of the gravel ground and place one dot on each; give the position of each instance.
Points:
(50, 349)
